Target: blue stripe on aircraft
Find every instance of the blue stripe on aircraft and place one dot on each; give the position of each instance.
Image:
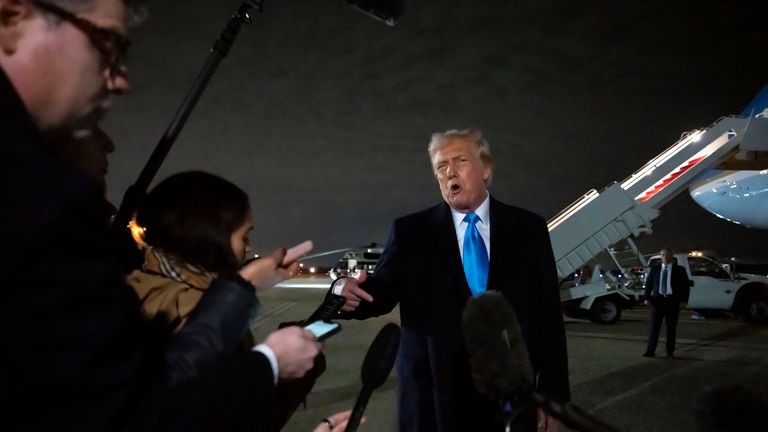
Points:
(758, 104)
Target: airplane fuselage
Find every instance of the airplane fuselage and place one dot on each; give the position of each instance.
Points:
(738, 196)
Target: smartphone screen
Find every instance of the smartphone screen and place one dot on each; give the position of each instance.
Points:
(323, 329)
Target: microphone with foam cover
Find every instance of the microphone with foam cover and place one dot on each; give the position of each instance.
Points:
(376, 367)
(499, 358)
(501, 367)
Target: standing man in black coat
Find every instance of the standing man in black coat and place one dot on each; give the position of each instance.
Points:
(434, 262)
(666, 287)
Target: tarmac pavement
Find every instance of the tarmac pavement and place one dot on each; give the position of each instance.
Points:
(609, 377)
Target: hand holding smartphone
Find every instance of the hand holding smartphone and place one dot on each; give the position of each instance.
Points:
(323, 329)
(297, 252)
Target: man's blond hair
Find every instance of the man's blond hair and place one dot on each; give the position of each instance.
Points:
(440, 139)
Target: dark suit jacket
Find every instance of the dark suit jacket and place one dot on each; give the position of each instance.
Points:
(680, 285)
(421, 269)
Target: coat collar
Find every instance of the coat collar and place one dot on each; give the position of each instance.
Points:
(503, 246)
(21, 139)
(447, 250)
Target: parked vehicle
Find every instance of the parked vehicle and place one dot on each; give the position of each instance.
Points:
(357, 259)
(594, 294)
(716, 288)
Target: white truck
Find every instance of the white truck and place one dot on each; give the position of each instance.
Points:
(715, 287)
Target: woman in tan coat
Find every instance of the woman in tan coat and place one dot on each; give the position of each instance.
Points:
(195, 227)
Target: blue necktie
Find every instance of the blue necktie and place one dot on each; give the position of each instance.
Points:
(475, 256)
(663, 290)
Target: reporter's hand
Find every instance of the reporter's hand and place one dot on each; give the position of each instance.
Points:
(546, 422)
(337, 422)
(295, 349)
(353, 293)
(265, 272)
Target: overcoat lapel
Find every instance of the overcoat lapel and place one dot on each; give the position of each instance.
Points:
(503, 249)
(447, 248)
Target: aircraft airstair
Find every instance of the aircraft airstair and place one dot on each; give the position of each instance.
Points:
(598, 220)
(625, 255)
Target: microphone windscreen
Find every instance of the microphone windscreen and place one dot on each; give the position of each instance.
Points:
(498, 354)
(380, 356)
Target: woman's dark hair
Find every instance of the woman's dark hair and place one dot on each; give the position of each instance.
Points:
(192, 215)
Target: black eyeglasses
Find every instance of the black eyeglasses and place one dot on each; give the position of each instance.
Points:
(111, 44)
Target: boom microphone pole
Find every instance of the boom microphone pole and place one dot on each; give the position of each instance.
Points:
(385, 10)
(136, 193)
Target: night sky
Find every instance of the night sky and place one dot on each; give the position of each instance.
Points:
(323, 114)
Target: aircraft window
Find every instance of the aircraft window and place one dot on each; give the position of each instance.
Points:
(705, 267)
(371, 255)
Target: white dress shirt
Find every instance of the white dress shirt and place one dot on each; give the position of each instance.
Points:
(483, 226)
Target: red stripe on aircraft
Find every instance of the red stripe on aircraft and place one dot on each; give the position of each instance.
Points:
(670, 178)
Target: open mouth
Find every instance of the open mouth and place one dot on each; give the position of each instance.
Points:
(454, 188)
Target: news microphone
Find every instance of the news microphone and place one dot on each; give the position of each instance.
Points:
(501, 366)
(499, 358)
(376, 367)
(384, 10)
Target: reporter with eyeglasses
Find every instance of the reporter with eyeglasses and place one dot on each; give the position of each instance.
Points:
(76, 355)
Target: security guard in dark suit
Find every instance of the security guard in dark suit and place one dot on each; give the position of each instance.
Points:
(666, 287)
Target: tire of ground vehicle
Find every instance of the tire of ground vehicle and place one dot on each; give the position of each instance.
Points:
(757, 311)
(752, 303)
(605, 310)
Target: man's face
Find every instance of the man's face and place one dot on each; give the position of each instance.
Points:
(64, 80)
(461, 174)
(87, 150)
(666, 256)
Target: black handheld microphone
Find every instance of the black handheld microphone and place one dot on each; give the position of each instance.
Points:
(385, 10)
(501, 367)
(376, 367)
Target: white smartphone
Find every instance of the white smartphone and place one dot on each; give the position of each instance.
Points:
(297, 252)
(323, 329)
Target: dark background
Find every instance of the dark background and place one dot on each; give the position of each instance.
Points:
(323, 115)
